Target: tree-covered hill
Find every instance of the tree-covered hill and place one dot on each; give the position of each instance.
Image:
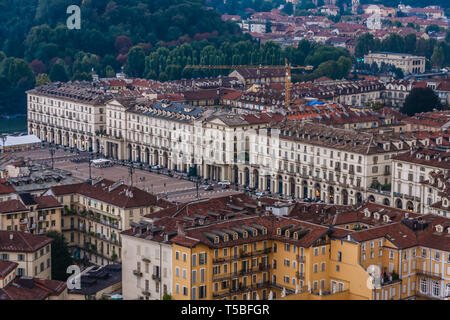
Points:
(34, 33)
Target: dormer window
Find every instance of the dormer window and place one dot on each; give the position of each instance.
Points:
(287, 233)
(225, 238)
(245, 235)
(278, 231)
(235, 236)
(376, 216)
(264, 231)
(255, 233)
(295, 235)
(439, 228)
(386, 218)
(216, 239)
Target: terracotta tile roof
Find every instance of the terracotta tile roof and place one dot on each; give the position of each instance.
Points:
(256, 73)
(121, 196)
(6, 187)
(22, 241)
(359, 215)
(35, 289)
(308, 232)
(427, 157)
(6, 267)
(10, 206)
(46, 202)
(404, 235)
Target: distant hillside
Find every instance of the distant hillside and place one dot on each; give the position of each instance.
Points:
(35, 31)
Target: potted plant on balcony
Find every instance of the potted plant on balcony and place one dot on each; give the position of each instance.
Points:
(395, 276)
(114, 256)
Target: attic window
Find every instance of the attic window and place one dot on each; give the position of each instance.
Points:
(439, 228)
(225, 238)
(286, 234)
(264, 231)
(278, 231)
(295, 235)
(386, 218)
(376, 216)
(216, 239)
(245, 235)
(255, 233)
(235, 236)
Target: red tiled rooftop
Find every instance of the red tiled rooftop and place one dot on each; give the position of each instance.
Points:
(22, 241)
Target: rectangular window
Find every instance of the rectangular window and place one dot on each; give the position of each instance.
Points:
(194, 276)
(202, 258)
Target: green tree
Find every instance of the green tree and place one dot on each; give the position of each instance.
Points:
(109, 72)
(432, 28)
(167, 296)
(438, 57)
(61, 258)
(288, 8)
(58, 73)
(421, 100)
(136, 62)
(364, 44)
(42, 79)
(17, 71)
(398, 73)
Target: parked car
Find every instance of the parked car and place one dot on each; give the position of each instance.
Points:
(157, 167)
(224, 182)
(260, 194)
(225, 186)
(209, 187)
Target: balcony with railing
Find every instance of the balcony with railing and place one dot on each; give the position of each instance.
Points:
(300, 258)
(242, 255)
(146, 292)
(137, 273)
(429, 274)
(156, 277)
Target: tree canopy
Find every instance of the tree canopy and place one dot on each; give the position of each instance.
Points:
(421, 100)
(61, 258)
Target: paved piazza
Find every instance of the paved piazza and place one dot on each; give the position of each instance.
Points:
(177, 189)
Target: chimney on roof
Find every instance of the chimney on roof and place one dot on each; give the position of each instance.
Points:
(180, 230)
(11, 236)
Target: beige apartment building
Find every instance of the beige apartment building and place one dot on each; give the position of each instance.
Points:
(95, 213)
(409, 64)
(32, 253)
(33, 214)
(420, 181)
(71, 115)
